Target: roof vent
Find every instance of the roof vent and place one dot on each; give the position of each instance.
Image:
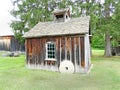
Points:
(61, 15)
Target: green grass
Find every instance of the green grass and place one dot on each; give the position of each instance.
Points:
(105, 75)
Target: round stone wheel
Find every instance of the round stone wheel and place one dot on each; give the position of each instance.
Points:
(66, 66)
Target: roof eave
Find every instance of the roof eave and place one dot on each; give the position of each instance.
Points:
(56, 35)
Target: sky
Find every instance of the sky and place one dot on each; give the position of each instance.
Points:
(5, 17)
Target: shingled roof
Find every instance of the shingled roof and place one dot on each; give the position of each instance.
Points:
(71, 27)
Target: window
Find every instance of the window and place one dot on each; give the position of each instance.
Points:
(50, 50)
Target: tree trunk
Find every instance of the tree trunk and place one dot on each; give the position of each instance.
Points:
(107, 44)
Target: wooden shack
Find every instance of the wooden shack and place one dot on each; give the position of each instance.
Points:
(116, 50)
(48, 44)
(9, 43)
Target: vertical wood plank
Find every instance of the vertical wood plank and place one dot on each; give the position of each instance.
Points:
(65, 48)
(70, 49)
(87, 50)
(26, 51)
(60, 50)
(72, 53)
(79, 52)
(75, 52)
(82, 51)
(57, 41)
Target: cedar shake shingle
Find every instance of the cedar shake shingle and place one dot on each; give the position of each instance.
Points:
(71, 27)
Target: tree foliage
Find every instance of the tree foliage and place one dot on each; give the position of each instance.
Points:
(108, 22)
(28, 14)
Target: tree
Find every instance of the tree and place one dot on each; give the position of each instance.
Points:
(107, 23)
(107, 31)
(116, 24)
(28, 13)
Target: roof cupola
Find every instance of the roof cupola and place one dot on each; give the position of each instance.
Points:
(61, 15)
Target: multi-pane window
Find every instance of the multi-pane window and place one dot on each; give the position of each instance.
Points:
(50, 50)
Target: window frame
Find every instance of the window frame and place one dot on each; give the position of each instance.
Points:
(46, 57)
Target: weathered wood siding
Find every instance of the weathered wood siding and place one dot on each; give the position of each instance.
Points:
(15, 45)
(9, 43)
(5, 43)
(115, 50)
(67, 48)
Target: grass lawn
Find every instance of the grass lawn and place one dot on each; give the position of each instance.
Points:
(105, 75)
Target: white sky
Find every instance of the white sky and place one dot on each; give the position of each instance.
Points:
(5, 17)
